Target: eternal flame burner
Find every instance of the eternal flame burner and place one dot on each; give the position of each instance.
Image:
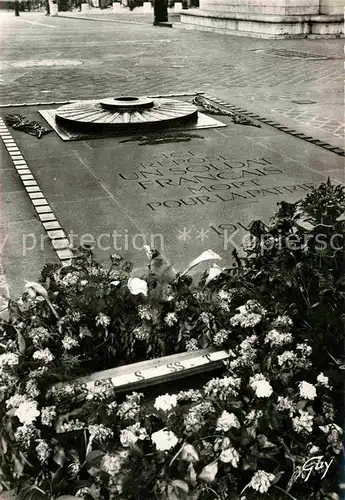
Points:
(121, 113)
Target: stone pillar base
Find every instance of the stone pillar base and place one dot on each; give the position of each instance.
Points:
(264, 25)
(147, 7)
(53, 9)
(85, 8)
(117, 6)
(177, 7)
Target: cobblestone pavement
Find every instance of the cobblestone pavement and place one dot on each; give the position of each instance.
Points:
(55, 58)
(137, 16)
(297, 83)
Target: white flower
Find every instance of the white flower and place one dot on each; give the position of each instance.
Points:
(128, 438)
(245, 320)
(283, 321)
(48, 414)
(220, 337)
(96, 271)
(137, 285)
(230, 455)
(100, 432)
(129, 409)
(99, 389)
(142, 332)
(189, 453)
(222, 443)
(306, 390)
(226, 421)
(277, 338)
(253, 416)
(70, 279)
(305, 349)
(261, 481)
(145, 312)
(247, 354)
(164, 440)
(24, 435)
(31, 389)
(42, 450)
(171, 318)
(69, 343)
(242, 309)
(223, 295)
(255, 306)
(84, 332)
(9, 360)
(140, 432)
(190, 395)
(205, 318)
(261, 386)
(287, 357)
(112, 463)
(193, 420)
(43, 355)
(250, 320)
(112, 407)
(223, 387)
(38, 335)
(165, 402)
(72, 425)
(252, 422)
(303, 423)
(192, 345)
(102, 320)
(15, 401)
(323, 380)
(314, 449)
(286, 404)
(27, 412)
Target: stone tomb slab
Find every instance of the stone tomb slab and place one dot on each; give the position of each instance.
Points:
(182, 198)
(202, 195)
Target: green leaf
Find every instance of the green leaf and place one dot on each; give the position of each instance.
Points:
(311, 411)
(60, 457)
(180, 485)
(68, 497)
(213, 273)
(18, 466)
(93, 457)
(207, 255)
(37, 288)
(300, 405)
(277, 477)
(269, 362)
(32, 493)
(3, 445)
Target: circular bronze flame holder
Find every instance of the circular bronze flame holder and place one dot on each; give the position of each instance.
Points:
(126, 113)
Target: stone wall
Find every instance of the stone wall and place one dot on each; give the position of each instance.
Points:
(331, 7)
(268, 18)
(277, 7)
